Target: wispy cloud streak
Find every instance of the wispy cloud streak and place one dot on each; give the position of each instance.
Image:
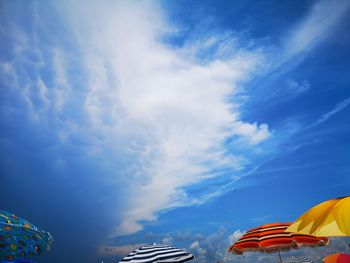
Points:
(311, 31)
(321, 21)
(339, 107)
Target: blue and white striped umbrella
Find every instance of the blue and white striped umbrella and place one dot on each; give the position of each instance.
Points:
(297, 260)
(157, 254)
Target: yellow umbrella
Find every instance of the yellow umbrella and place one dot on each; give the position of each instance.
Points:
(330, 218)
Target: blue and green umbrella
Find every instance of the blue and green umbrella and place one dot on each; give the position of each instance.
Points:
(21, 239)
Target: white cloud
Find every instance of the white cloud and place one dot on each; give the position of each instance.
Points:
(167, 240)
(26, 94)
(61, 90)
(35, 95)
(120, 251)
(235, 236)
(170, 112)
(43, 93)
(320, 22)
(252, 132)
(199, 252)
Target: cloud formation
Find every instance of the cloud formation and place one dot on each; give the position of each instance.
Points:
(160, 105)
(164, 114)
(158, 115)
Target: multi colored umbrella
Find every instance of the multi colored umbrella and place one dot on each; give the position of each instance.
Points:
(159, 254)
(20, 239)
(337, 258)
(272, 238)
(330, 218)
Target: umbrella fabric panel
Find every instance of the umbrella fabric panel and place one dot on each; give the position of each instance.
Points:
(330, 218)
(272, 237)
(20, 238)
(156, 253)
(7, 218)
(297, 260)
(337, 258)
(180, 259)
(148, 250)
(151, 253)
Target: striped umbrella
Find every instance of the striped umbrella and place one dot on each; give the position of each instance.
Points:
(157, 253)
(297, 260)
(272, 238)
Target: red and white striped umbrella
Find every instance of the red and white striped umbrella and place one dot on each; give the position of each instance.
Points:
(272, 238)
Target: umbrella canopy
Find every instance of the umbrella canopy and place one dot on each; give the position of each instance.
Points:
(337, 258)
(272, 238)
(19, 238)
(157, 253)
(330, 218)
(297, 260)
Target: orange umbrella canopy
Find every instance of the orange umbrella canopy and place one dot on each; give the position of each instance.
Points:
(337, 258)
(271, 238)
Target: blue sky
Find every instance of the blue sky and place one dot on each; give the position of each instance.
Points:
(181, 122)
